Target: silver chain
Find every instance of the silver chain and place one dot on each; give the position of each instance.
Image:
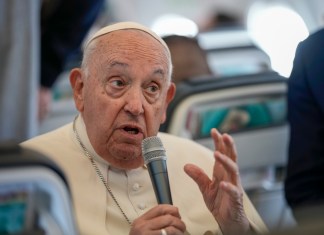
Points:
(86, 152)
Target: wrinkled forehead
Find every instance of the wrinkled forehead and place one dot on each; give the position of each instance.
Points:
(126, 25)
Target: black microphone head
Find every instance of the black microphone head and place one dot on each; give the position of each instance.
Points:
(152, 149)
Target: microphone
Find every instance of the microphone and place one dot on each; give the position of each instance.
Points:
(155, 160)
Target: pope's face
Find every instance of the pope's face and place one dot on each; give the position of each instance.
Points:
(124, 97)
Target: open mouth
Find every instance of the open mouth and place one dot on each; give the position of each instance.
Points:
(131, 130)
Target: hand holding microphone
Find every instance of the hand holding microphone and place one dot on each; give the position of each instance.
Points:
(165, 218)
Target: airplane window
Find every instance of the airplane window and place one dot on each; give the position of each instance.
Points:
(170, 24)
(236, 116)
(277, 29)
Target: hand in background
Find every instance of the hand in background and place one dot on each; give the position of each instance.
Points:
(44, 102)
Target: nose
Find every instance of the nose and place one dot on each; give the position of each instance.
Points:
(134, 102)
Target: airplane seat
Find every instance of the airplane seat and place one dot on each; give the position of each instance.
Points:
(252, 108)
(231, 51)
(34, 194)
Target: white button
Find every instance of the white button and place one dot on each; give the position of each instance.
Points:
(141, 206)
(136, 187)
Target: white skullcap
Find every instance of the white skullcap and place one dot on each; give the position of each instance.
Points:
(125, 25)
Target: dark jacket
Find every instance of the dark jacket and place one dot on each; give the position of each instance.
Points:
(304, 185)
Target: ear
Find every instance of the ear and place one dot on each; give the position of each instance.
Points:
(170, 95)
(77, 85)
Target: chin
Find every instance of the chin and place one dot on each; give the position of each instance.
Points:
(127, 159)
(128, 164)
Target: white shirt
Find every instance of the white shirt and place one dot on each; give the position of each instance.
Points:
(96, 212)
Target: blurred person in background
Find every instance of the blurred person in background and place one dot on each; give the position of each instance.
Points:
(64, 25)
(221, 19)
(304, 184)
(188, 58)
(37, 39)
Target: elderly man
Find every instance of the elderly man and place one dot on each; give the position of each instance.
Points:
(122, 91)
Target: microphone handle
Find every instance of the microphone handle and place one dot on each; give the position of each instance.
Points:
(160, 180)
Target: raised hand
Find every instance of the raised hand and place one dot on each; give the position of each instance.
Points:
(223, 194)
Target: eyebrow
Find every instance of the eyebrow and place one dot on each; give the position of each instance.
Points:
(118, 64)
(113, 64)
(159, 71)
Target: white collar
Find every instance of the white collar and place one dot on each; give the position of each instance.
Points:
(82, 132)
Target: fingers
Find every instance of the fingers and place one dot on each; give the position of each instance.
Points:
(218, 140)
(160, 210)
(230, 146)
(225, 169)
(198, 175)
(230, 167)
(169, 223)
(163, 216)
(224, 143)
(235, 193)
(160, 217)
(171, 231)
